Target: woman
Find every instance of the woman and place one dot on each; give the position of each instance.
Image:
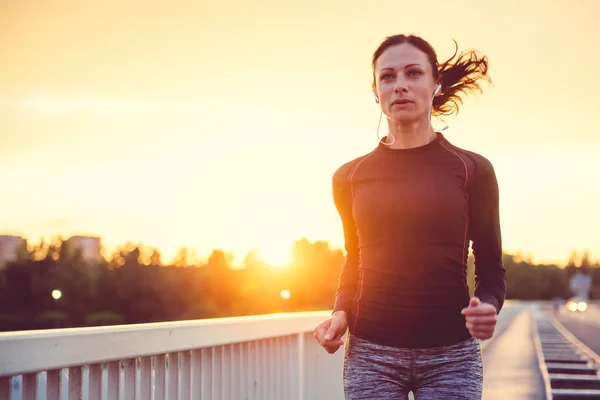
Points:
(410, 209)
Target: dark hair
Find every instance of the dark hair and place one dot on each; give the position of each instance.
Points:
(456, 75)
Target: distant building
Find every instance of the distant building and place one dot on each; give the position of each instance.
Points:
(10, 246)
(89, 246)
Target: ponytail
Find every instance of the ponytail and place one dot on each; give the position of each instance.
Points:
(459, 75)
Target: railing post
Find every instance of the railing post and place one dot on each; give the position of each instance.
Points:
(301, 366)
(75, 380)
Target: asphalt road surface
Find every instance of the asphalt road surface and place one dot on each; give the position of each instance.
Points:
(585, 326)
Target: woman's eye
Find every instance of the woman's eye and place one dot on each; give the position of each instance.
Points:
(414, 73)
(385, 77)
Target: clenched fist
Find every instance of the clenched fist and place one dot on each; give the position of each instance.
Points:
(329, 332)
(481, 318)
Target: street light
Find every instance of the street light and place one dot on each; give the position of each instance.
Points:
(285, 303)
(56, 294)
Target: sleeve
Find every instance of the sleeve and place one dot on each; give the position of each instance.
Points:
(348, 281)
(490, 277)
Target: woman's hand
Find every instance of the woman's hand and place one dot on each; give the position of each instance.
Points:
(481, 318)
(329, 332)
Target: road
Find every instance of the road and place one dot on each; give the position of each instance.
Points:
(508, 312)
(585, 326)
(511, 365)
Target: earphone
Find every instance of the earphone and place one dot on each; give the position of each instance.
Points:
(376, 98)
(437, 91)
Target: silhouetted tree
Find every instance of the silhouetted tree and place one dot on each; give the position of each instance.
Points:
(573, 259)
(181, 258)
(155, 258)
(315, 270)
(133, 286)
(585, 260)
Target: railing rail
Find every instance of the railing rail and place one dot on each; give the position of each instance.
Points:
(258, 357)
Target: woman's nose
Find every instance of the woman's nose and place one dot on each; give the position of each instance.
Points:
(400, 85)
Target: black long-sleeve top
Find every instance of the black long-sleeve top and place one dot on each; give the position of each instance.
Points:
(409, 216)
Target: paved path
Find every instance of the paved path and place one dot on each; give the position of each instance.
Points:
(511, 367)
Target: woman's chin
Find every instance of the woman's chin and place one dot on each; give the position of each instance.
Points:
(403, 117)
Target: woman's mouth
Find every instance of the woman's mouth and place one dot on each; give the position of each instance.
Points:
(401, 102)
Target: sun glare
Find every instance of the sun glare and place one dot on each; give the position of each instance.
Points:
(276, 257)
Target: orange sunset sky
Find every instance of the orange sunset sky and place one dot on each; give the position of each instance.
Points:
(219, 124)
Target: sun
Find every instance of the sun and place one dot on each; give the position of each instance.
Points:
(276, 256)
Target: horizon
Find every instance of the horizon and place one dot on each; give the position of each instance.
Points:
(197, 256)
(191, 125)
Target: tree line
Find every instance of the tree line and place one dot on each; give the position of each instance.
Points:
(134, 286)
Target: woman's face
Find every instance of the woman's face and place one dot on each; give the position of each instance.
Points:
(404, 83)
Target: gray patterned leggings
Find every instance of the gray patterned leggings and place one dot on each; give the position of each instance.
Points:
(376, 372)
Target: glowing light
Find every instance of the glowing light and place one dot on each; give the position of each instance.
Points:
(56, 294)
(285, 294)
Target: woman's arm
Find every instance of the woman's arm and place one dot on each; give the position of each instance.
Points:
(484, 217)
(342, 197)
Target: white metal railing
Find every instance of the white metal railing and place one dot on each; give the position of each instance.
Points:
(258, 357)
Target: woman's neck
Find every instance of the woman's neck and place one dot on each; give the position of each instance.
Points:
(410, 135)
